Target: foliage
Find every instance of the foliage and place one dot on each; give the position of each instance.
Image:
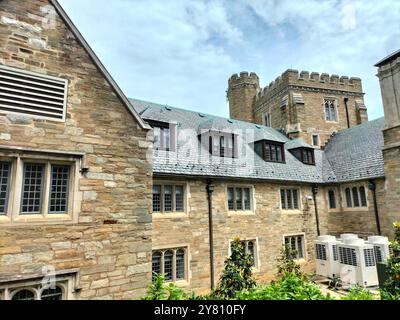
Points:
(159, 290)
(287, 262)
(289, 286)
(391, 288)
(237, 273)
(358, 293)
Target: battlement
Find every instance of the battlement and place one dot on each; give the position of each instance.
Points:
(244, 78)
(313, 79)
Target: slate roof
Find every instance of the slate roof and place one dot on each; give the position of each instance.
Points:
(343, 159)
(356, 153)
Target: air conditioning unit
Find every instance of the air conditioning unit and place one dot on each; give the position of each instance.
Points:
(327, 258)
(357, 263)
(381, 247)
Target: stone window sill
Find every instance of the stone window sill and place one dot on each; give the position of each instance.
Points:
(169, 215)
(241, 213)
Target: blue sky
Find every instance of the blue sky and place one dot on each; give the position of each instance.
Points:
(182, 52)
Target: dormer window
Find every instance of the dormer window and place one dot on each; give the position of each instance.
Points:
(305, 155)
(271, 151)
(220, 144)
(164, 134)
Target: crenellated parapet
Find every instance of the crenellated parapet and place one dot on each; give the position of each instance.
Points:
(310, 79)
(242, 79)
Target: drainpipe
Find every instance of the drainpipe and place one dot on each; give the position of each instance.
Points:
(210, 190)
(347, 111)
(372, 187)
(314, 190)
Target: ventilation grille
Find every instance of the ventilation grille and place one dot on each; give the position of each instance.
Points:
(347, 256)
(335, 253)
(378, 254)
(369, 257)
(321, 251)
(32, 94)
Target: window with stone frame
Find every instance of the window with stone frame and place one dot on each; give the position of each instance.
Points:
(330, 110)
(172, 263)
(32, 188)
(250, 247)
(290, 199)
(61, 286)
(239, 198)
(315, 140)
(267, 120)
(164, 135)
(296, 244)
(355, 197)
(271, 151)
(168, 198)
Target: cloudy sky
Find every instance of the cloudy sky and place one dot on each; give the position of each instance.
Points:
(182, 52)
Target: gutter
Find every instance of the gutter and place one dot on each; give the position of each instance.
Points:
(314, 190)
(210, 190)
(372, 187)
(347, 112)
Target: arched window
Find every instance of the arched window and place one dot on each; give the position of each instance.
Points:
(52, 294)
(168, 265)
(222, 146)
(330, 110)
(180, 264)
(363, 197)
(156, 262)
(348, 198)
(23, 294)
(356, 200)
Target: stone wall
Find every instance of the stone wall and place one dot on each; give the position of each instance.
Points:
(111, 242)
(268, 224)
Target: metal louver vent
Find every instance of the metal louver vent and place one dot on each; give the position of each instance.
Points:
(348, 256)
(378, 254)
(369, 257)
(321, 251)
(335, 252)
(33, 94)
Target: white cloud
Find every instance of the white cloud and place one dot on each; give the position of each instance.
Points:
(181, 52)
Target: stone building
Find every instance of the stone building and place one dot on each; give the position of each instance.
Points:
(305, 105)
(389, 76)
(75, 183)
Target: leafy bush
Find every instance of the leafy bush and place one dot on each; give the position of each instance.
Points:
(237, 273)
(288, 287)
(358, 293)
(391, 288)
(159, 290)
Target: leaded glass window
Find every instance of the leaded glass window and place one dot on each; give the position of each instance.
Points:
(32, 188)
(59, 192)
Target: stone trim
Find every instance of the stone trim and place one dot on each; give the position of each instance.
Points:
(308, 89)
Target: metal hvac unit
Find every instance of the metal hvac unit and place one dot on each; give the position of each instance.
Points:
(381, 248)
(357, 263)
(327, 258)
(347, 236)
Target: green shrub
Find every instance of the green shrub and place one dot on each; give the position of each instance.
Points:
(289, 286)
(358, 293)
(391, 288)
(159, 290)
(237, 273)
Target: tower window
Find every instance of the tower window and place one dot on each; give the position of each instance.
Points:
(330, 110)
(267, 120)
(315, 139)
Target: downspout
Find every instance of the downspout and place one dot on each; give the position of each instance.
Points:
(314, 190)
(210, 190)
(372, 187)
(347, 111)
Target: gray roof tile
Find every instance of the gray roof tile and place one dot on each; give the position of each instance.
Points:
(343, 159)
